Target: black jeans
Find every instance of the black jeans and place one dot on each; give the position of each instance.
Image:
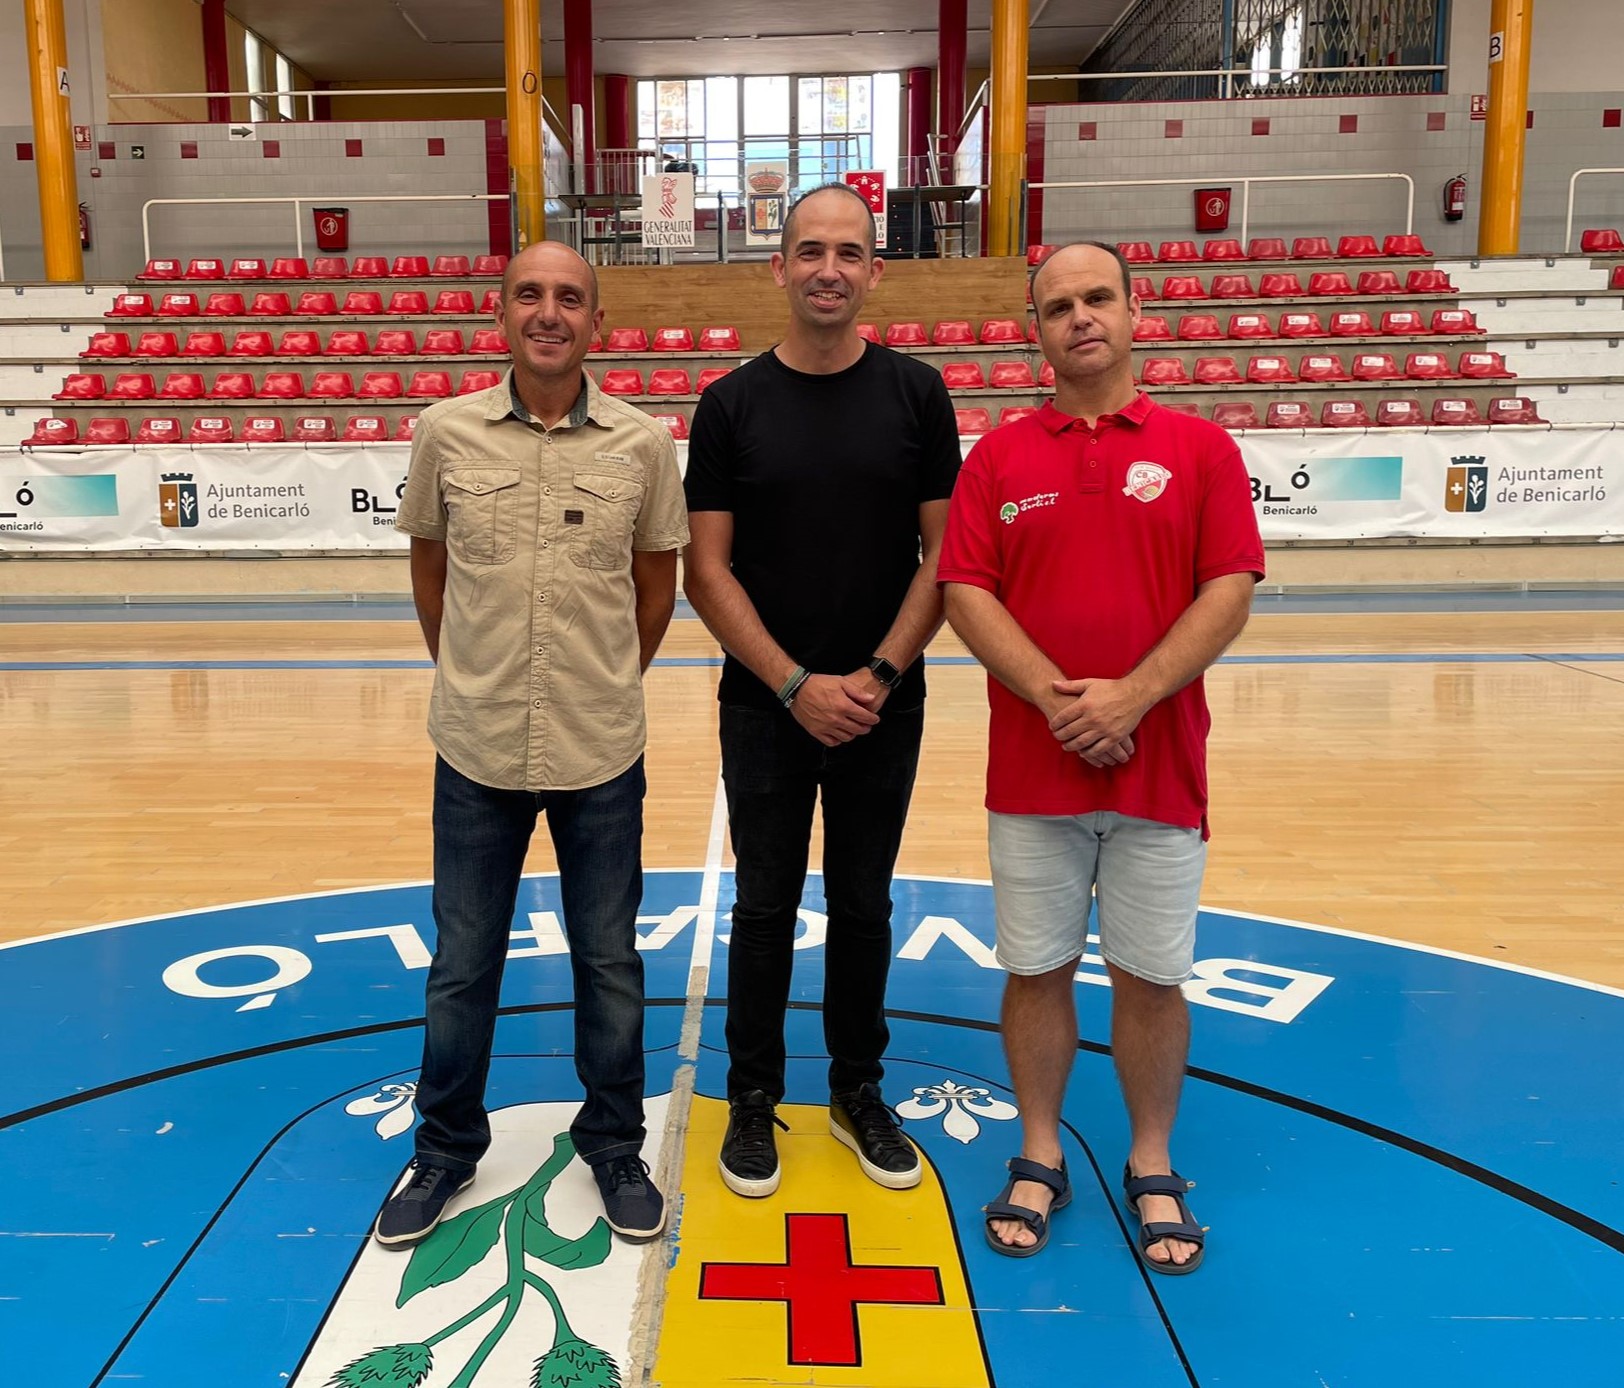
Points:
(480, 838)
(774, 771)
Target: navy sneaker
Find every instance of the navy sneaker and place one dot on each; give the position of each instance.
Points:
(634, 1208)
(866, 1124)
(410, 1214)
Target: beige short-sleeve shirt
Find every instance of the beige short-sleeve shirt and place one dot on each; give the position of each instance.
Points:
(538, 685)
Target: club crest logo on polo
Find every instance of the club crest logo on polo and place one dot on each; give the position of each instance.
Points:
(1007, 512)
(1146, 481)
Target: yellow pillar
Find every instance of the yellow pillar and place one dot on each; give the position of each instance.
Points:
(1009, 24)
(1510, 34)
(53, 140)
(522, 41)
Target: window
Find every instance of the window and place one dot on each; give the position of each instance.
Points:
(284, 85)
(254, 60)
(1291, 46)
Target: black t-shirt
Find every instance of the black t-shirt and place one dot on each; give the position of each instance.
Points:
(824, 476)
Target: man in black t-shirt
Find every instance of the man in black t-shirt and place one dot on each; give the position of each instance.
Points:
(818, 483)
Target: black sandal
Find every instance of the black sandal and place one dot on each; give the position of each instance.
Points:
(1021, 1169)
(1174, 1187)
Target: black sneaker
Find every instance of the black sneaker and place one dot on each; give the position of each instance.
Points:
(749, 1160)
(635, 1209)
(866, 1124)
(410, 1214)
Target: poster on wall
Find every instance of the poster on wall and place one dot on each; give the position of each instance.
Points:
(668, 210)
(766, 201)
(870, 186)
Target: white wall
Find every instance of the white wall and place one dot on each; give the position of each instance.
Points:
(1576, 46)
(87, 74)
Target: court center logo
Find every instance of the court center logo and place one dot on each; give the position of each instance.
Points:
(177, 500)
(1466, 488)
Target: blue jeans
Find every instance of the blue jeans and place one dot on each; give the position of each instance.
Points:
(774, 771)
(480, 838)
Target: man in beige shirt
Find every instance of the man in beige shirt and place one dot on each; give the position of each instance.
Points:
(545, 520)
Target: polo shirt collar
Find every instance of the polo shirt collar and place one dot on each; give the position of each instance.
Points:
(1136, 411)
(504, 401)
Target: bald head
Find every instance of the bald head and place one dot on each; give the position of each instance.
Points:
(1075, 256)
(548, 258)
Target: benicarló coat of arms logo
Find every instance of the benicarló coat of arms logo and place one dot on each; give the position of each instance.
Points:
(1146, 481)
(177, 500)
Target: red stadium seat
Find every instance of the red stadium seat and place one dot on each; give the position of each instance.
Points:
(1183, 407)
(1144, 289)
(381, 385)
(290, 268)
(362, 301)
(130, 306)
(1428, 366)
(1378, 282)
(1010, 413)
(1250, 325)
(622, 381)
(1266, 248)
(315, 428)
(450, 265)
(453, 301)
(490, 264)
(1031, 329)
(1311, 248)
(409, 267)
(52, 433)
(251, 342)
(273, 305)
(1222, 250)
(1322, 368)
(369, 267)
(672, 340)
(1288, 414)
(1352, 323)
(133, 385)
(156, 345)
(1036, 254)
(408, 301)
(163, 429)
(973, 421)
(676, 423)
(170, 269)
(1484, 366)
(905, 335)
(1516, 409)
(709, 376)
(429, 385)
(1163, 371)
(963, 375)
(719, 339)
(627, 340)
(83, 385)
(1046, 376)
(348, 342)
(1217, 371)
(108, 345)
(1403, 245)
(281, 385)
(262, 429)
(223, 305)
(1301, 325)
(1456, 413)
(108, 431)
(395, 342)
(1344, 414)
(1134, 252)
(1400, 414)
(1616, 279)
(488, 341)
(443, 342)
(246, 269)
(478, 380)
(1177, 252)
(1152, 327)
(365, 428)
(1326, 282)
(332, 385)
(232, 385)
(1357, 247)
(1233, 287)
(868, 332)
(1183, 287)
(329, 267)
(204, 344)
(1603, 242)
(670, 380)
(1001, 330)
(299, 342)
(491, 301)
(206, 270)
(1455, 321)
(1235, 414)
(316, 303)
(1376, 366)
(1012, 375)
(1280, 284)
(210, 429)
(1428, 282)
(1403, 322)
(1269, 371)
(178, 306)
(182, 385)
(1197, 327)
(406, 425)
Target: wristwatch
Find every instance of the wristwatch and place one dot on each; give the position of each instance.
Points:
(885, 672)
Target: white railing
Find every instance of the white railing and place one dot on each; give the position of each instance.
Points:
(1246, 182)
(298, 203)
(1567, 234)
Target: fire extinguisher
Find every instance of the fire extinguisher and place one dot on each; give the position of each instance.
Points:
(84, 227)
(1455, 198)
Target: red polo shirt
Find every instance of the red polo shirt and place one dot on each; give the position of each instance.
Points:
(1095, 541)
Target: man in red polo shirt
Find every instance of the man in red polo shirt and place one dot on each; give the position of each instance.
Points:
(1099, 556)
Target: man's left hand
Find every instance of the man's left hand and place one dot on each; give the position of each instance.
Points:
(1102, 714)
(871, 684)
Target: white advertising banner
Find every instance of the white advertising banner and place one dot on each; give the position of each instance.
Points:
(668, 210)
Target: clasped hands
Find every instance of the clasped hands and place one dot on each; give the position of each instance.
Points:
(1095, 718)
(838, 708)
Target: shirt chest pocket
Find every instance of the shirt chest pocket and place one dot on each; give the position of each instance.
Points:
(608, 505)
(482, 513)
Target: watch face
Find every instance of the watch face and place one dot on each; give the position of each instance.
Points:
(885, 672)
